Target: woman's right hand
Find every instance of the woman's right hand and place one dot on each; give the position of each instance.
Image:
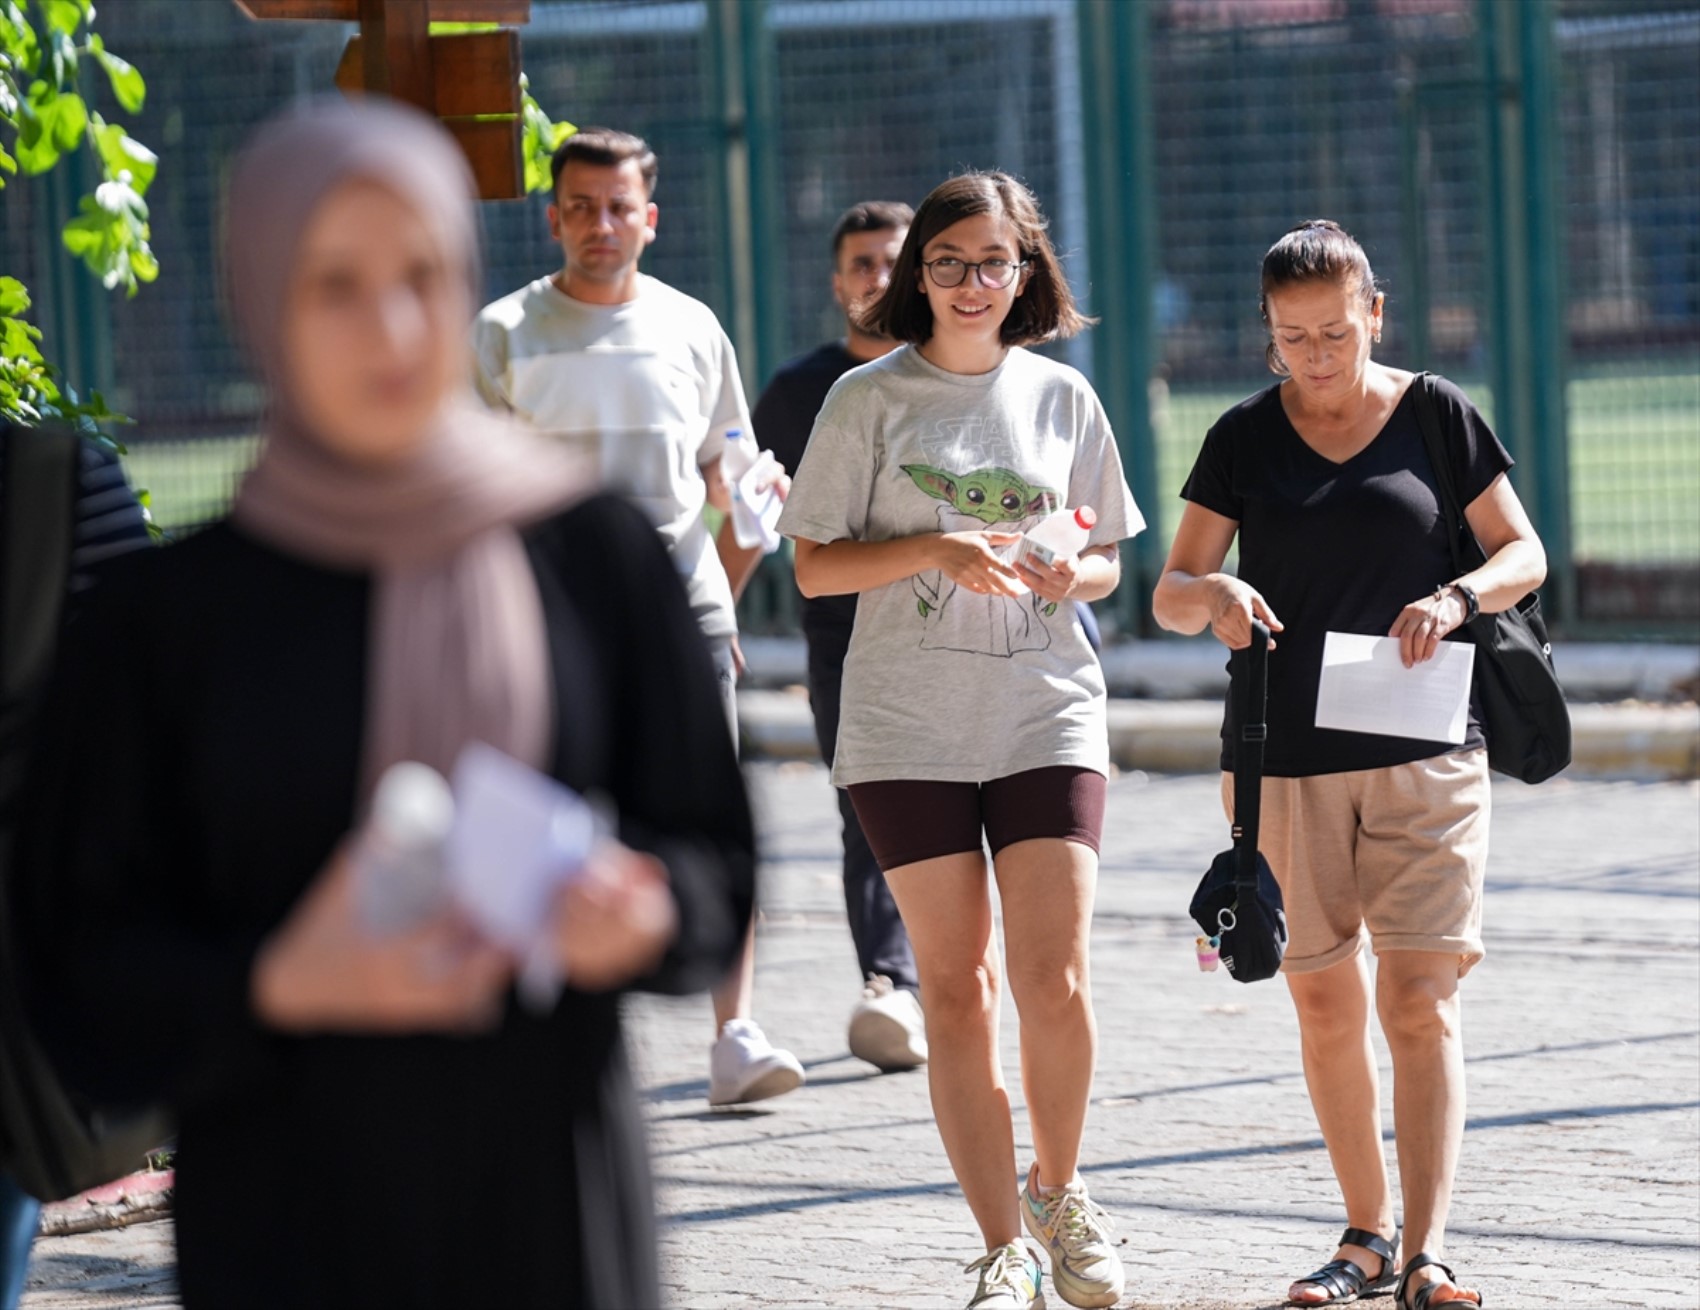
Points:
(1233, 605)
(322, 970)
(970, 559)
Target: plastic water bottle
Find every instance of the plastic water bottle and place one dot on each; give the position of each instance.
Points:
(1062, 534)
(399, 870)
(755, 514)
(739, 458)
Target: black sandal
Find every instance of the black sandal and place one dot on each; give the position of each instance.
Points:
(1425, 1294)
(1344, 1281)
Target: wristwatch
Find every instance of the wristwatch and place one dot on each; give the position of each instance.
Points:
(1472, 602)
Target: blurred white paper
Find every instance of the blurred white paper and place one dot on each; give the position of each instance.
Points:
(518, 837)
(1365, 688)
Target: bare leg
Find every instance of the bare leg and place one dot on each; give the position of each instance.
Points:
(1047, 887)
(736, 992)
(1345, 1092)
(1417, 997)
(947, 907)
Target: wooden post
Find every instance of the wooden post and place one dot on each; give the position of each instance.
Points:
(397, 46)
(468, 80)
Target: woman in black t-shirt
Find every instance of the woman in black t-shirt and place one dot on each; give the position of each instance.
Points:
(1326, 482)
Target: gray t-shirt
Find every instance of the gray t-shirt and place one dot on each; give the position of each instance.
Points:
(941, 683)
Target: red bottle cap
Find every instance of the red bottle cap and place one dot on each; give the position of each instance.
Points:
(1086, 516)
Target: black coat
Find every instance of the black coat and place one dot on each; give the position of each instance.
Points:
(201, 765)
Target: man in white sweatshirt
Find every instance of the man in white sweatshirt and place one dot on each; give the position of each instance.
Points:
(642, 378)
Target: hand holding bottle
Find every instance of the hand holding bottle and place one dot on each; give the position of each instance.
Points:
(1048, 558)
(324, 970)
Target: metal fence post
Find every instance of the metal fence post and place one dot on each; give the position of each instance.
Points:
(1526, 306)
(76, 319)
(1115, 56)
(735, 30)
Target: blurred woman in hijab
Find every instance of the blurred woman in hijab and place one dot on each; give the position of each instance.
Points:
(371, 1120)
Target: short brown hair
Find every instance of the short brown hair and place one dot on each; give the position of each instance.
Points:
(606, 148)
(1043, 312)
(870, 216)
(1318, 250)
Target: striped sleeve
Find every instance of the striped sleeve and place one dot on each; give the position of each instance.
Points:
(109, 519)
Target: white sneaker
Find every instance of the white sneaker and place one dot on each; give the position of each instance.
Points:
(887, 1028)
(1085, 1269)
(1010, 1279)
(744, 1066)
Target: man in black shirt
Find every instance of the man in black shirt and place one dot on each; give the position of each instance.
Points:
(885, 1028)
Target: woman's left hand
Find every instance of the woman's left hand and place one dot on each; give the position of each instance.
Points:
(615, 920)
(1421, 625)
(1055, 582)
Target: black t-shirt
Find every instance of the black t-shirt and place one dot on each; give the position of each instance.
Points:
(784, 418)
(1341, 547)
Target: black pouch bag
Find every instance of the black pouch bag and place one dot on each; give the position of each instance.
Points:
(1238, 904)
(1524, 717)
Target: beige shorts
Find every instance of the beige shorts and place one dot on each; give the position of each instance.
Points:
(1397, 853)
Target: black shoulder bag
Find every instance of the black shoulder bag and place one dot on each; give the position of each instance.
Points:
(1524, 717)
(1238, 903)
(52, 1143)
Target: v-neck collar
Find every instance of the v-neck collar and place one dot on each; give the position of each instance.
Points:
(1281, 407)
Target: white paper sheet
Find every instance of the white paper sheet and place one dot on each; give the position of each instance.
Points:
(518, 837)
(1366, 689)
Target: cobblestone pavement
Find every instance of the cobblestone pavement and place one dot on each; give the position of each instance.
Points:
(1580, 1178)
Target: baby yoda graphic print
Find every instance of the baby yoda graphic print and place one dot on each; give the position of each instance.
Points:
(961, 620)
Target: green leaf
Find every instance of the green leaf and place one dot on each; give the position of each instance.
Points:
(36, 149)
(65, 16)
(110, 235)
(70, 121)
(539, 139)
(18, 338)
(142, 262)
(14, 296)
(7, 164)
(64, 57)
(128, 87)
(18, 37)
(121, 153)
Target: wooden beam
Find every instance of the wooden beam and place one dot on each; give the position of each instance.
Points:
(514, 13)
(492, 147)
(396, 52)
(471, 73)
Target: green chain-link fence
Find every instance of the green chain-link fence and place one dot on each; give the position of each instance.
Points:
(1525, 175)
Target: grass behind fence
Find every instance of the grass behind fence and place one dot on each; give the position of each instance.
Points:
(1634, 461)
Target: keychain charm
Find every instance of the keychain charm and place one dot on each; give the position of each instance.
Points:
(1209, 953)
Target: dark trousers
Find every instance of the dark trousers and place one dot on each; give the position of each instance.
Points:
(882, 943)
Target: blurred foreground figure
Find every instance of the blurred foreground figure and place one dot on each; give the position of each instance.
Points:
(64, 509)
(371, 1120)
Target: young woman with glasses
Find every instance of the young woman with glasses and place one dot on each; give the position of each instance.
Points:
(972, 702)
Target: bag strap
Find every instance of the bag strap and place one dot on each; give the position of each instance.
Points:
(1428, 419)
(1248, 754)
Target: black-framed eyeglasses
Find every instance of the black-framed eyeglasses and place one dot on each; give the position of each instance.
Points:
(994, 274)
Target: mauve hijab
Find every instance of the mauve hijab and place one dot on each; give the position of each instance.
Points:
(458, 650)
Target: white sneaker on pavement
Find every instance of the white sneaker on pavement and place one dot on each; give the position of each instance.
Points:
(887, 1028)
(1010, 1279)
(744, 1066)
(1086, 1271)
